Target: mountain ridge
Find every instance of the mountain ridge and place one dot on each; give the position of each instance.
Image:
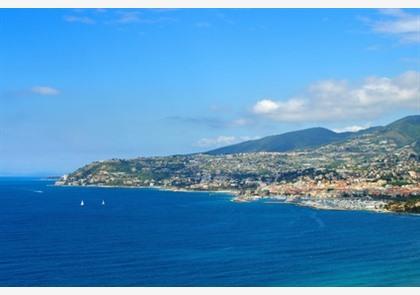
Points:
(376, 170)
(403, 131)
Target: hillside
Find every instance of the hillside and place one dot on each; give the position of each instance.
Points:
(301, 139)
(377, 168)
(307, 138)
(403, 131)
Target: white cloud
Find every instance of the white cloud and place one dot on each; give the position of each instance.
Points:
(400, 24)
(221, 141)
(132, 17)
(352, 128)
(334, 100)
(126, 17)
(45, 90)
(265, 106)
(79, 19)
(116, 17)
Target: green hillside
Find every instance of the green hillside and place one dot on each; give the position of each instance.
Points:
(307, 138)
(404, 131)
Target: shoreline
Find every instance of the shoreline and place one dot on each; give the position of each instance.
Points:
(159, 188)
(342, 204)
(309, 202)
(323, 207)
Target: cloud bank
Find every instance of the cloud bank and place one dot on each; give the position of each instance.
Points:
(117, 16)
(335, 100)
(399, 23)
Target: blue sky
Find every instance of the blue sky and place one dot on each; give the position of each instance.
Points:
(84, 85)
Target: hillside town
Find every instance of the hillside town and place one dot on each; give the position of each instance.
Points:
(366, 172)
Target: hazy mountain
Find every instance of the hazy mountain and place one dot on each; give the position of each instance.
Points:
(403, 131)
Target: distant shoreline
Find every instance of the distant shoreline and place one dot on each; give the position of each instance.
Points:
(315, 203)
(158, 188)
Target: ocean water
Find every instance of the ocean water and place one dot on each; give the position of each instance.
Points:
(145, 237)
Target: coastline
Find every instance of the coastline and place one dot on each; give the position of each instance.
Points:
(311, 202)
(159, 188)
(318, 204)
(342, 204)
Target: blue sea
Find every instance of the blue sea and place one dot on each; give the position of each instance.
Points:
(146, 237)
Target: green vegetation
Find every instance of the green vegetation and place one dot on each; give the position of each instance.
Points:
(383, 161)
(402, 132)
(308, 138)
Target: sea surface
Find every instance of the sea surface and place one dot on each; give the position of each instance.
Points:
(146, 237)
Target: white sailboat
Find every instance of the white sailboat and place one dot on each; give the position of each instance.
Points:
(82, 203)
(103, 202)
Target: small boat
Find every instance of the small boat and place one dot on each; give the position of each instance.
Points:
(103, 202)
(82, 203)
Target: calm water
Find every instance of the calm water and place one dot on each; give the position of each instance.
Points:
(146, 237)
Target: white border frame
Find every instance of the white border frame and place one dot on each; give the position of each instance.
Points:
(210, 4)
